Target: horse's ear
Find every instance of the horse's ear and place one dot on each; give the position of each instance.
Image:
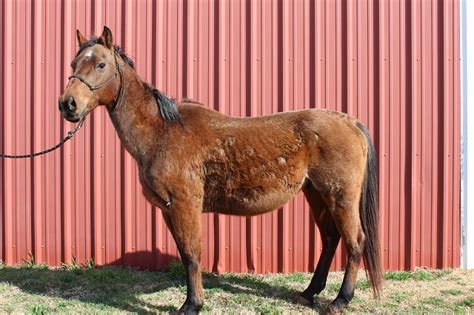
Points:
(106, 38)
(81, 39)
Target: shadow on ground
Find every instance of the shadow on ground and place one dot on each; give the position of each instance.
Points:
(251, 285)
(120, 287)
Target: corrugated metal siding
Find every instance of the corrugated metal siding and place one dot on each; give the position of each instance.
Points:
(393, 64)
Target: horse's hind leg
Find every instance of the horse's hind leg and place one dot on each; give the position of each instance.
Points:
(347, 219)
(184, 223)
(330, 238)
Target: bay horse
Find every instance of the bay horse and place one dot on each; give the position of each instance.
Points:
(193, 159)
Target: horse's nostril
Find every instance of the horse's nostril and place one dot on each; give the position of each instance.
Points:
(71, 104)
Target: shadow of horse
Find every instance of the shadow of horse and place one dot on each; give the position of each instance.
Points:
(121, 287)
(251, 285)
(115, 285)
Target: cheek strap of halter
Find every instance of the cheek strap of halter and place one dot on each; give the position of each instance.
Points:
(119, 99)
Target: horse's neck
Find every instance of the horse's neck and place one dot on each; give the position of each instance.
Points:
(136, 119)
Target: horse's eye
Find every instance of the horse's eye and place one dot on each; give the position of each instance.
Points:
(101, 65)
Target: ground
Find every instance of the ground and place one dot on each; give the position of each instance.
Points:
(37, 289)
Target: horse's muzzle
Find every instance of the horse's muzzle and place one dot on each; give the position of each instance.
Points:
(68, 106)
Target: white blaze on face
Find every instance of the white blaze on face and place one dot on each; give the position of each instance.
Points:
(88, 53)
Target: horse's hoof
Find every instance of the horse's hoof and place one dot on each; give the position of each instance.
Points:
(300, 299)
(335, 307)
(189, 309)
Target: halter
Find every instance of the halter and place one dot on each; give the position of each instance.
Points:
(112, 76)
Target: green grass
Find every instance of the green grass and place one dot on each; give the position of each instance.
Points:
(418, 274)
(76, 288)
(434, 300)
(398, 275)
(467, 302)
(333, 287)
(297, 277)
(362, 285)
(176, 269)
(38, 309)
(424, 275)
(399, 297)
(452, 292)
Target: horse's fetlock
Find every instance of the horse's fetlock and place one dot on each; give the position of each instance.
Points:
(320, 286)
(345, 295)
(192, 305)
(194, 301)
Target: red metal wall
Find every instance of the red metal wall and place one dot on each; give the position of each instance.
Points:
(393, 64)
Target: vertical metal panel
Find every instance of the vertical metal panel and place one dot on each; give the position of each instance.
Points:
(467, 99)
(393, 64)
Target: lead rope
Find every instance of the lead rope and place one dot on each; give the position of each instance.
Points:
(69, 136)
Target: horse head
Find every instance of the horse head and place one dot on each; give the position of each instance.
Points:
(96, 78)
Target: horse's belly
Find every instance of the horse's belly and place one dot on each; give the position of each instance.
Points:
(248, 202)
(241, 183)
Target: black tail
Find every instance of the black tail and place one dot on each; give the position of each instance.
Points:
(369, 217)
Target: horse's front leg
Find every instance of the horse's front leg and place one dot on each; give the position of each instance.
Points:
(184, 221)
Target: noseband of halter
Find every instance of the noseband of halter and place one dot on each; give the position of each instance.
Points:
(98, 86)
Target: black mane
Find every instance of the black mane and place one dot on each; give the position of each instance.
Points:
(167, 106)
(95, 40)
